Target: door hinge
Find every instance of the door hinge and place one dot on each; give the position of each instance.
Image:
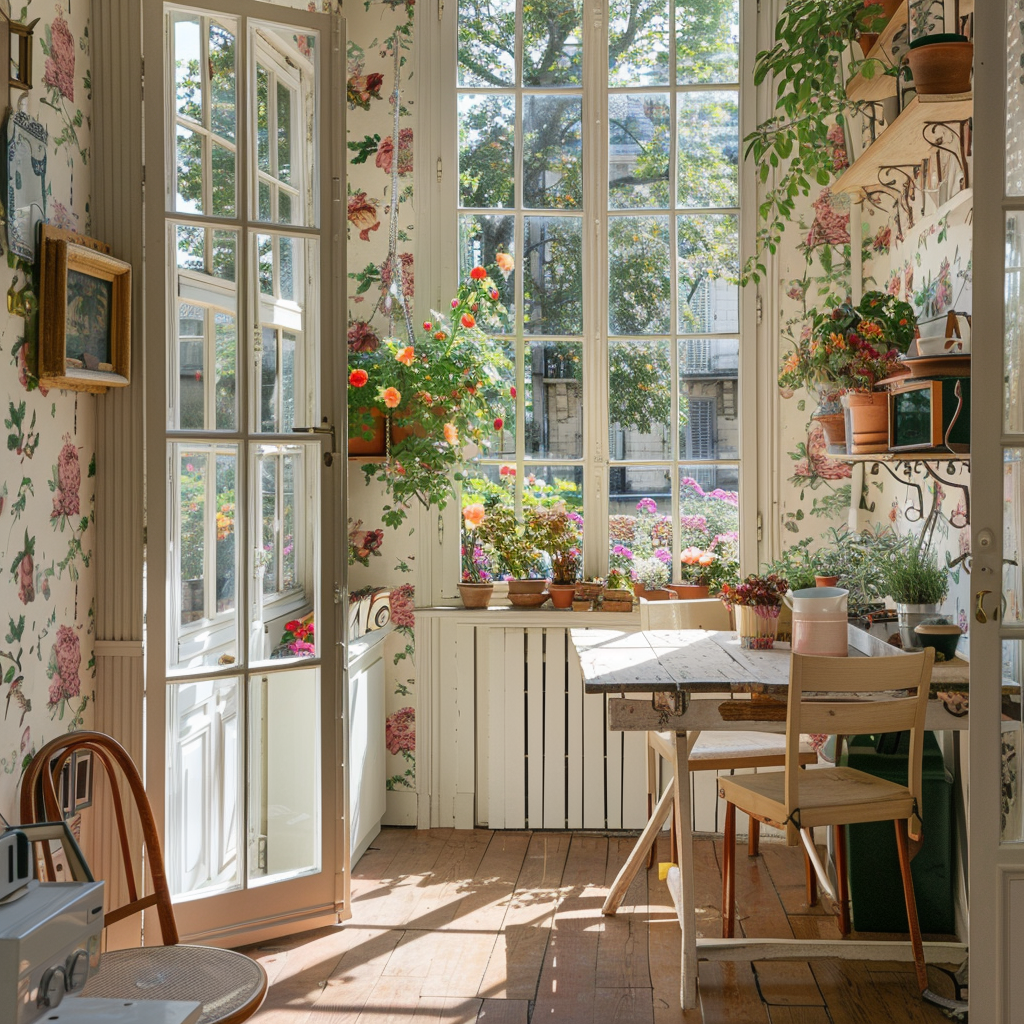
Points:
(440, 170)
(760, 527)
(261, 853)
(759, 308)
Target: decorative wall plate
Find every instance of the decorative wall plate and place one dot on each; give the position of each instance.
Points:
(26, 183)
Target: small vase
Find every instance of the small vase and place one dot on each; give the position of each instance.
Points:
(562, 594)
(527, 593)
(826, 581)
(689, 591)
(757, 626)
(476, 595)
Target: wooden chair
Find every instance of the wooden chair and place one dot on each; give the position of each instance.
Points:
(714, 751)
(230, 986)
(840, 796)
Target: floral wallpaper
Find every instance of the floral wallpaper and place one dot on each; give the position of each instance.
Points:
(379, 182)
(47, 589)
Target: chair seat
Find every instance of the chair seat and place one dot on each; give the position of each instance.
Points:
(230, 985)
(719, 751)
(828, 796)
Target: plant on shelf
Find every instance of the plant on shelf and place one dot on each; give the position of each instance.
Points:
(830, 563)
(438, 393)
(805, 64)
(506, 543)
(860, 557)
(475, 565)
(619, 579)
(297, 640)
(917, 583)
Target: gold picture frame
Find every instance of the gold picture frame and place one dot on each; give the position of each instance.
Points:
(84, 314)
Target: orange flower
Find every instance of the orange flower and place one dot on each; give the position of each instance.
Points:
(473, 516)
(706, 559)
(478, 273)
(357, 378)
(451, 434)
(468, 320)
(406, 355)
(691, 555)
(791, 363)
(506, 264)
(391, 397)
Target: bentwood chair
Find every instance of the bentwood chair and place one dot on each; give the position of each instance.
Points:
(229, 985)
(842, 696)
(709, 751)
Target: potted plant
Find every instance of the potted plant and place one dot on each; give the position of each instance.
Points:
(476, 585)
(756, 603)
(796, 564)
(441, 391)
(652, 576)
(918, 585)
(702, 571)
(828, 568)
(507, 543)
(618, 593)
(556, 532)
(940, 60)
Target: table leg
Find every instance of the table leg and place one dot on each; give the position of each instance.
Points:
(684, 840)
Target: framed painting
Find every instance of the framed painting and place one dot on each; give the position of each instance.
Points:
(84, 314)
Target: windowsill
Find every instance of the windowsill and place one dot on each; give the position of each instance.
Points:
(509, 615)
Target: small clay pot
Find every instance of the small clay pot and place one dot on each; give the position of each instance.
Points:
(689, 591)
(826, 581)
(941, 65)
(476, 595)
(562, 594)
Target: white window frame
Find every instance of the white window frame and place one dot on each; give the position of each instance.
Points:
(437, 262)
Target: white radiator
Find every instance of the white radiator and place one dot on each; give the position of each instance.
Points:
(506, 737)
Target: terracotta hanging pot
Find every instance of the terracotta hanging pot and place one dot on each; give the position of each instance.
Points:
(941, 64)
(374, 445)
(869, 419)
(868, 39)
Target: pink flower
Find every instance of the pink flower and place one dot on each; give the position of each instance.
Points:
(829, 227)
(402, 613)
(362, 214)
(400, 731)
(59, 72)
(66, 501)
(26, 579)
(385, 152)
(65, 660)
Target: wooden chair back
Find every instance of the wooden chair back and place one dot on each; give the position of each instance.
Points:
(707, 613)
(844, 696)
(39, 802)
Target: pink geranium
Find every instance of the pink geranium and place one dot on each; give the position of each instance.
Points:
(59, 72)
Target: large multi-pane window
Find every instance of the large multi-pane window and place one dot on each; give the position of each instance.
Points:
(243, 240)
(603, 152)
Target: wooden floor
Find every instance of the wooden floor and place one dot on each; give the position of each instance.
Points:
(506, 928)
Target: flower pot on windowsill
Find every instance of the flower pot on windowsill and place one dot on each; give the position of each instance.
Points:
(562, 594)
(826, 581)
(689, 591)
(941, 64)
(476, 595)
(526, 593)
(658, 594)
(834, 426)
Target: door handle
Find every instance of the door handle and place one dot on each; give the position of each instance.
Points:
(979, 607)
(327, 428)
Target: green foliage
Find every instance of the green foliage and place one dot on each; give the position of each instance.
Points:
(914, 576)
(861, 559)
(797, 564)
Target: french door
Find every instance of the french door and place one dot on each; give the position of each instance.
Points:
(996, 870)
(244, 230)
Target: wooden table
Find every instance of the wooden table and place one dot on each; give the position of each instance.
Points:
(683, 672)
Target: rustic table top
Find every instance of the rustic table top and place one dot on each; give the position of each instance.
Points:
(701, 661)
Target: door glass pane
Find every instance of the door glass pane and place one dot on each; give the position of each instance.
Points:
(709, 398)
(639, 400)
(709, 148)
(1013, 536)
(639, 144)
(554, 400)
(1011, 793)
(204, 550)
(284, 774)
(1013, 338)
(222, 78)
(640, 522)
(552, 143)
(481, 238)
(204, 788)
(709, 515)
(638, 34)
(1014, 101)
(553, 285)
(203, 387)
(289, 303)
(639, 281)
(709, 293)
(486, 151)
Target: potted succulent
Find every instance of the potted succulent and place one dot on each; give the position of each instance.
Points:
(441, 391)
(918, 585)
(756, 603)
(618, 593)
(476, 585)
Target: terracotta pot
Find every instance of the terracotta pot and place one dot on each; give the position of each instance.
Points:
(689, 591)
(659, 594)
(868, 39)
(869, 418)
(834, 425)
(377, 444)
(476, 595)
(826, 581)
(562, 594)
(527, 593)
(941, 68)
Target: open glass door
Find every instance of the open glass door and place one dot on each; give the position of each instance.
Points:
(996, 872)
(244, 685)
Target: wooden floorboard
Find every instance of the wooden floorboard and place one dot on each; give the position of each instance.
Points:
(485, 927)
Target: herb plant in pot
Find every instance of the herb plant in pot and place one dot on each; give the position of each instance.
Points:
(918, 585)
(476, 585)
(756, 603)
(652, 575)
(828, 568)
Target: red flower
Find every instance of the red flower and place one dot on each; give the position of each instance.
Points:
(494, 294)
(357, 378)
(455, 303)
(512, 391)
(427, 325)
(478, 273)
(468, 320)
(498, 423)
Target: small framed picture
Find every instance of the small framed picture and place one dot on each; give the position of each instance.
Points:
(84, 314)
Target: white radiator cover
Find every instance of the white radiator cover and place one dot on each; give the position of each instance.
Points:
(507, 739)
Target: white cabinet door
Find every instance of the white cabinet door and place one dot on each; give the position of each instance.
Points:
(366, 750)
